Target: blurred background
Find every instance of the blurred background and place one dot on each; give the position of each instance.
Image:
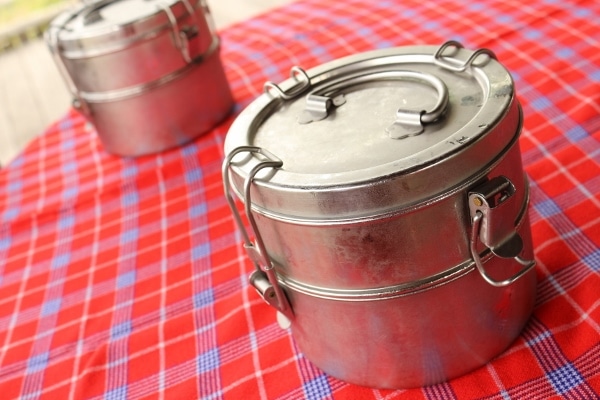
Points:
(32, 92)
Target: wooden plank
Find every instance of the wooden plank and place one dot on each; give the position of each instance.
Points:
(17, 102)
(52, 96)
(7, 149)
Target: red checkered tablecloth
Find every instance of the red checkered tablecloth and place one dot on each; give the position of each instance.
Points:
(126, 279)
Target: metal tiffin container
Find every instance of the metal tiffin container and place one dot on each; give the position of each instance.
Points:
(146, 73)
(388, 202)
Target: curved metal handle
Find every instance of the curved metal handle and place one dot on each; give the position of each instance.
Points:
(264, 278)
(407, 122)
(527, 264)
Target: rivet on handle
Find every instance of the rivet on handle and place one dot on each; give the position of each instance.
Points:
(410, 123)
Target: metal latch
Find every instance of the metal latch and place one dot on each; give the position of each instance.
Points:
(263, 278)
(493, 209)
(181, 36)
(494, 200)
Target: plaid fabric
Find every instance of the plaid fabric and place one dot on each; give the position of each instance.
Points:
(125, 278)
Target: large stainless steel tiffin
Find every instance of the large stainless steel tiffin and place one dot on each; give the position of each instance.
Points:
(388, 201)
(146, 73)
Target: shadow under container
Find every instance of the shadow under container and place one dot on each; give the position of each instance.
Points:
(388, 202)
(146, 73)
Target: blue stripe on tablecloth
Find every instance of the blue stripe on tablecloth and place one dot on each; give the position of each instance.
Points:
(208, 361)
(592, 260)
(317, 388)
(126, 279)
(37, 362)
(120, 330)
(204, 298)
(51, 306)
(547, 208)
(565, 378)
(562, 375)
(118, 393)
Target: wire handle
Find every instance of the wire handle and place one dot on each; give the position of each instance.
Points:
(264, 279)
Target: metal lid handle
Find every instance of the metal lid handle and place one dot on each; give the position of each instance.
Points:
(407, 122)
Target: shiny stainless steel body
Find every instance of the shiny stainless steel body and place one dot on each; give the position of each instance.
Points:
(146, 73)
(389, 208)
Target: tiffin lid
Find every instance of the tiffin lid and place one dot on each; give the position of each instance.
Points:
(108, 26)
(373, 132)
